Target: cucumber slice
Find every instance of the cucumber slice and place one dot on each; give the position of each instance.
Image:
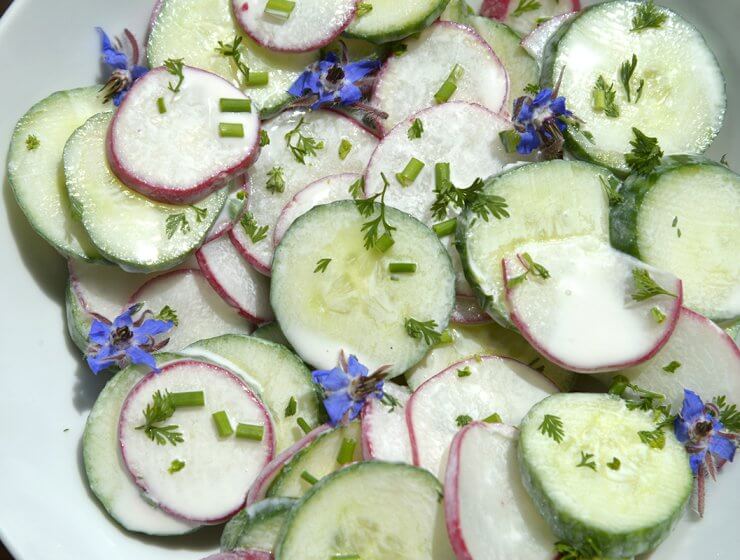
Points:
(679, 72)
(374, 510)
(391, 21)
(126, 227)
(355, 305)
(319, 458)
(78, 320)
(494, 385)
(35, 176)
(232, 211)
(258, 526)
(524, 21)
(624, 512)
(684, 218)
(471, 340)
(385, 434)
(272, 333)
(536, 42)
(106, 474)
(547, 201)
(408, 82)
(191, 29)
(279, 374)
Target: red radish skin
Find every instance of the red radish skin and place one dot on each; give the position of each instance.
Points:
(333, 30)
(671, 321)
(165, 193)
(258, 491)
(467, 312)
(268, 437)
(499, 9)
(249, 256)
(374, 407)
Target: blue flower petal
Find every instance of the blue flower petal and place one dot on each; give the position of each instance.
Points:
(557, 106)
(525, 113)
(696, 460)
(355, 409)
(722, 447)
(528, 141)
(112, 57)
(140, 357)
(355, 71)
(138, 71)
(350, 94)
(150, 328)
(97, 365)
(337, 405)
(123, 320)
(99, 332)
(692, 408)
(543, 96)
(299, 86)
(332, 379)
(681, 429)
(355, 368)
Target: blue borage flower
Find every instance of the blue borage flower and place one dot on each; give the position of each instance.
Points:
(540, 121)
(698, 427)
(123, 60)
(126, 340)
(347, 388)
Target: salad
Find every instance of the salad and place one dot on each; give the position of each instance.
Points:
(413, 280)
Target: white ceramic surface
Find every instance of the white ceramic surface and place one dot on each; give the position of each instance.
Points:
(46, 392)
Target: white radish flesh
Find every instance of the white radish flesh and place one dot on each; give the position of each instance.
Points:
(179, 156)
(495, 385)
(232, 211)
(488, 512)
(385, 435)
(536, 41)
(583, 317)
(468, 312)
(235, 280)
(525, 21)
(218, 471)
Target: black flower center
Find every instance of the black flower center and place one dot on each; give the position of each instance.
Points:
(335, 74)
(121, 336)
(702, 429)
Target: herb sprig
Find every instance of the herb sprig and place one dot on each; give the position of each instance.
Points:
(648, 16)
(32, 142)
(530, 267)
(525, 6)
(646, 287)
(255, 232)
(481, 204)
(231, 50)
(587, 461)
(366, 207)
(626, 71)
(160, 409)
(303, 145)
(416, 129)
(645, 155)
(552, 427)
(321, 265)
(275, 180)
(604, 97)
(422, 330)
(729, 415)
(174, 66)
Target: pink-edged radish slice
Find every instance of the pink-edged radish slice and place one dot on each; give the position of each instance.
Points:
(235, 280)
(468, 312)
(184, 153)
(525, 21)
(218, 471)
(241, 555)
(265, 206)
(232, 211)
(584, 317)
(259, 488)
(201, 313)
(309, 25)
(385, 435)
(536, 41)
(488, 512)
(699, 356)
(326, 190)
(408, 83)
(473, 389)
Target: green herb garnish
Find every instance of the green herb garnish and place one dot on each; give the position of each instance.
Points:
(291, 407)
(532, 89)
(176, 222)
(416, 129)
(174, 66)
(303, 145)
(346, 451)
(223, 424)
(610, 189)
(275, 180)
(657, 314)
(357, 189)
(463, 420)
(729, 415)
(655, 438)
(672, 367)
(308, 477)
(422, 330)
(464, 372)
(474, 198)
(345, 147)
(160, 409)
(321, 265)
(646, 287)
(32, 142)
(252, 229)
(530, 267)
(363, 9)
(604, 97)
(167, 314)
(494, 418)
(625, 75)
(264, 138)
(648, 15)
(614, 464)
(176, 466)
(552, 427)
(587, 461)
(231, 50)
(366, 207)
(645, 155)
(526, 6)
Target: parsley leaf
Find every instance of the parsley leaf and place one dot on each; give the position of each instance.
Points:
(648, 15)
(252, 229)
(552, 426)
(587, 461)
(672, 367)
(655, 439)
(645, 155)
(366, 207)
(200, 213)
(530, 267)
(646, 287)
(231, 50)
(625, 76)
(604, 98)
(176, 222)
(357, 188)
(463, 420)
(303, 145)
(321, 265)
(729, 415)
(610, 189)
(483, 205)
(176, 466)
(264, 138)
(614, 464)
(160, 409)
(532, 89)
(32, 142)
(363, 9)
(416, 129)
(174, 66)
(422, 330)
(168, 314)
(275, 180)
(464, 372)
(526, 6)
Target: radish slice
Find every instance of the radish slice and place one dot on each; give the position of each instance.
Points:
(103, 289)
(524, 22)
(488, 512)
(265, 206)
(146, 148)
(201, 313)
(218, 471)
(468, 312)
(326, 190)
(232, 211)
(495, 385)
(583, 317)
(699, 356)
(385, 435)
(235, 280)
(310, 25)
(408, 83)
(536, 41)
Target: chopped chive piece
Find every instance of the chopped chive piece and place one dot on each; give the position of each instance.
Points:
(450, 85)
(441, 176)
(400, 268)
(614, 464)
(230, 130)
(384, 242)
(510, 139)
(229, 105)
(658, 315)
(303, 425)
(494, 418)
(250, 431)
(189, 398)
(672, 367)
(291, 407)
(176, 466)
(308, 477)
(464, 372)
(345, 147)
(443, 229)
(161, 106)
(416, 129)
(346, 451)
(410, 172)
(223, 424)
(256, 79)
(279, 8)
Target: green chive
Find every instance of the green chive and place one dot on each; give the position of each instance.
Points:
(441, 175)
(257, 79)
(190, 398)
(443, 229)
(450, 85)
(410, 172)
(161, 106)
(494, 418)
(279, 8)
(229, 105)
(308, 477)
(401, 268)
(658, 315)
(291, 407)
(599, 99)
(303, 425)
(223, 424)
(384, 242)
(346, 451)
(345, 147)
(510, 139)
(230, 130)
(250, 431)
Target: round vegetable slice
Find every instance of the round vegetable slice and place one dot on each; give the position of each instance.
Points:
(352, 302)
(598, 478)
(523, 17)
(374, 510)
(683, 218)
(257, 527)
(537, 40)
(388, 20)
(205, 475)
(385, 434)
